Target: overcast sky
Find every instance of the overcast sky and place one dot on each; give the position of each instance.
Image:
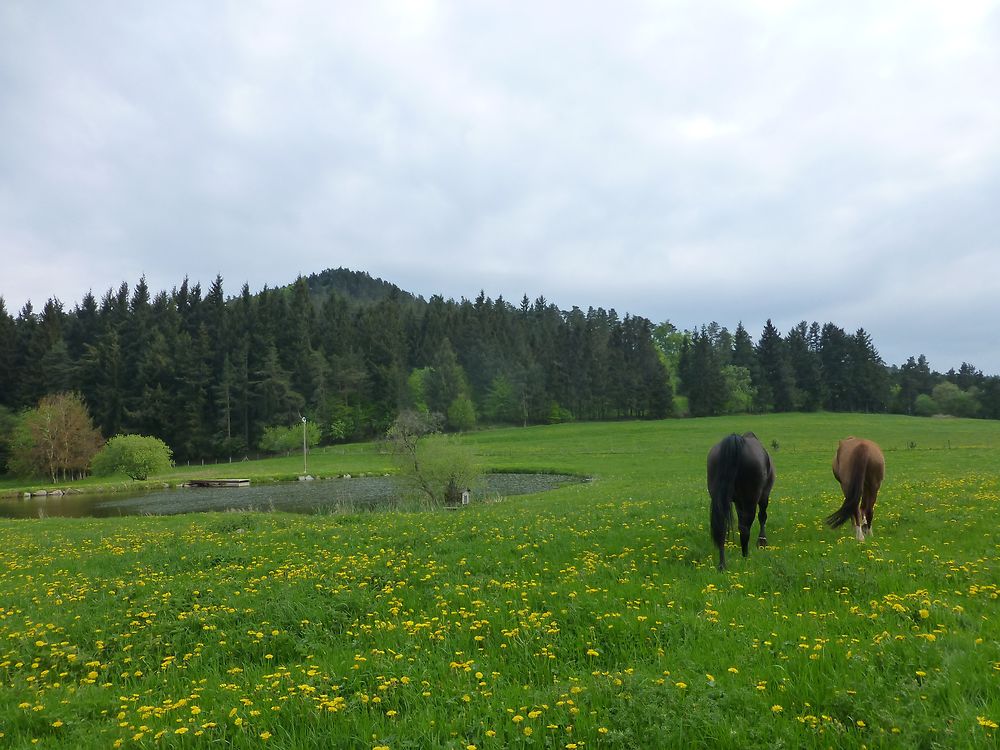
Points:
(690, 161)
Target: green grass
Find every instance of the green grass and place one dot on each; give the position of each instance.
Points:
(590, 616)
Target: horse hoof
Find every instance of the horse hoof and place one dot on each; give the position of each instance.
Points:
(762, 542)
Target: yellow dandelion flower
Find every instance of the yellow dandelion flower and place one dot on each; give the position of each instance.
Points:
(681, 685)
(776, 709)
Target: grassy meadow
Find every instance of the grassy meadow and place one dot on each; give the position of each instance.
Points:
(587, 617)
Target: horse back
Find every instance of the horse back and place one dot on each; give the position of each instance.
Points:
(755, 468)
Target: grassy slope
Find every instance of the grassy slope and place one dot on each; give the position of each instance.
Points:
(588, 616)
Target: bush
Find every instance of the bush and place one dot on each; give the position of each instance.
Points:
(277, 439)
(925, 406)
(462, 414)
(135, 456)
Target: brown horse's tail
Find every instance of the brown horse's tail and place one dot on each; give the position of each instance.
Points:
(722, 488)
(852, 489)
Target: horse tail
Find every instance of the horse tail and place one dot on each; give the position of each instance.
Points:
(855, 483)
(722, 489)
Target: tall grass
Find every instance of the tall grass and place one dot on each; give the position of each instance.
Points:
(589, 616)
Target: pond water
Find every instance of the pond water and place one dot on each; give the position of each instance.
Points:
(321, 496)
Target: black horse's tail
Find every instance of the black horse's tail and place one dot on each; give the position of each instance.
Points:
(852, 490)
(722, 488)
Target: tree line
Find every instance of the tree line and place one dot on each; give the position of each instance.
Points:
(213, 376)
(813, 367)
(209, 375)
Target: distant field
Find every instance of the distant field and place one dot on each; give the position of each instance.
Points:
(587, 617)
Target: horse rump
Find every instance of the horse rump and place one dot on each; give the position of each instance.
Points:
(853, 466)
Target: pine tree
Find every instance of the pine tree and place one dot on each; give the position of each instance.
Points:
(806, 368)
(9, 385)
(835, 359)
(775, 368)
(868, 374)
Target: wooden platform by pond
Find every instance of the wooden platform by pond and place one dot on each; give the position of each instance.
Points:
(217, 483)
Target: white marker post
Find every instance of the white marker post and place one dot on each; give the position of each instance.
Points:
(305, 468)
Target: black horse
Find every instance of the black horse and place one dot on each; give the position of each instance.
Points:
(739, 471)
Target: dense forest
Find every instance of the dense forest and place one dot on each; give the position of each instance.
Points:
(209, 374)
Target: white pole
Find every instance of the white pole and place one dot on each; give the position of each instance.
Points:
(305, 468)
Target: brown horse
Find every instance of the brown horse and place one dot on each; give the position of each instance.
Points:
(739, 473)
(859, 466)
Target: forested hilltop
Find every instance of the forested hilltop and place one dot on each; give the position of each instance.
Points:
(209, 374)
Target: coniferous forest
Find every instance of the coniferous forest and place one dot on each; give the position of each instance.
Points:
(208, 374)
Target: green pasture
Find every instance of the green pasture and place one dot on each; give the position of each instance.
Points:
(587, 617)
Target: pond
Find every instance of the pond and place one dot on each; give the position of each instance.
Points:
(321, 496)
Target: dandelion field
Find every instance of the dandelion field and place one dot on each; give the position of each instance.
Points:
(591, 616)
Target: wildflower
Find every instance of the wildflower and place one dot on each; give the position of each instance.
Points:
(57, 723)
(527, 731)
(776, 709)
(681, 685)
(265, 735)
(592, 652)
(984, 722)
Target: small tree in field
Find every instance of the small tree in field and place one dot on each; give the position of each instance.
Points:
(429, 465)
(135, 456)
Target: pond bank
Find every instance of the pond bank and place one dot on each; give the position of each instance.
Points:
(345, 494)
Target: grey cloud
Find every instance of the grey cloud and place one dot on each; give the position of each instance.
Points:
(697, 163)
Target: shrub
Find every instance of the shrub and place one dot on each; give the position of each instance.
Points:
(135, 456)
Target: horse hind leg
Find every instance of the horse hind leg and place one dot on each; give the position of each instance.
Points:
(745, 522)
(868, 510)
(762, 522)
